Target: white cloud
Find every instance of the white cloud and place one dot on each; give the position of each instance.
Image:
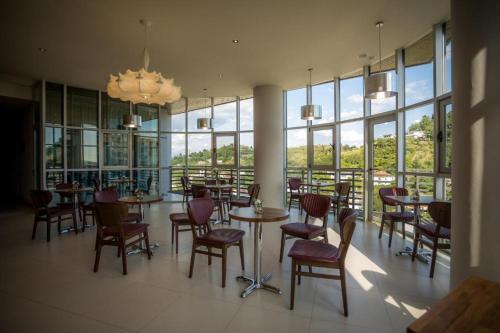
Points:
(356, 98)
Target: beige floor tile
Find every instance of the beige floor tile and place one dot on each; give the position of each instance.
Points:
(321, 326)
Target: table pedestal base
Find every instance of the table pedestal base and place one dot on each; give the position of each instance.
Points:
(254, 285)
(142, 249)
(422, 255)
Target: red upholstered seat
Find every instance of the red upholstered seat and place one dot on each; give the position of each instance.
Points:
(430, 230)
(132, 217)
(303, 230)
(180, 218)
(240, 202)
(312, 251)
(222, 236)
(129, 229)
(400, 216)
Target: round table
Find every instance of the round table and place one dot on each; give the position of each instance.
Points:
(219, 188)
(147, 199)
(269, 215)
(75, 192)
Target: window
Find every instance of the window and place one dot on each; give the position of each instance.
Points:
(82, 108)
(296, 152)
(115, 152)
(424, 184)
(294, 101)
(81, 149)
(85, 178)
(225, 117)
(177, 113)
(178, 153)
(323, 152)
(352, 151)
(53, 148)
(145, 150)
(54, 104)
(419, 70)
(419, 139)
(324, 95)
(143, 176)
(225, 152)
(113, 111)
(246, 149)
(246, 114)
(447, 57)
(351, 98)
(149, 114)
(199, 149)
(445, 135)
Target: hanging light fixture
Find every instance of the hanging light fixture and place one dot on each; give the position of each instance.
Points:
(132, 121)
(143, 86)
(310, 111)
(204, 123)
(380, 85)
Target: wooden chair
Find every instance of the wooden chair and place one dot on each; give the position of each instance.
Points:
(111, 230)
(88, 208)
(341, 197)
(430, 233)
(324, 255)
(180, 220)
(186, 191)
(199, 211)
(253, 192)
(43, 213)
(295, 186)
(316, 206)
(393, 217)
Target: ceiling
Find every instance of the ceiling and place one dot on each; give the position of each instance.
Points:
(191, 40)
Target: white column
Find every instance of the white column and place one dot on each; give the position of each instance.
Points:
(268, 143)
(476, 137)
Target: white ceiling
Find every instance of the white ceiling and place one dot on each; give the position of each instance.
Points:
(191, 40)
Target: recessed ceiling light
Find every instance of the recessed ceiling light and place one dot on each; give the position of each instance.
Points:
(42, 49)
(220, 76)
(236, 41)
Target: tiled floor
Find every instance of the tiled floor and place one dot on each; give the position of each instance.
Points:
(50, 287)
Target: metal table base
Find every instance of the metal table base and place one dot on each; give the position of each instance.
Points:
(258, 281)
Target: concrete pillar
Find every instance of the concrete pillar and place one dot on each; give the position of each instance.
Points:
(476, 139)
(268, 143)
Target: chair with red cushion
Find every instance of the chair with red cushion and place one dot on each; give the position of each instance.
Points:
(182, 219)
(430, 233)
(199, 211)
(396, 216)
(43, 213)
(341, 196)
(253, 192)
(295, 186)
(316, 206)
(88, 208)
(110, 196)
(114, 232)
(186, 190)
(324, 255)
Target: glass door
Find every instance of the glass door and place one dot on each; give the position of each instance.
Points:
(382, 161)
(224, 153)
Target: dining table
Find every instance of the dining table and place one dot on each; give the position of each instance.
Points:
(268, 215)
(75, 193)
(218, 189)
(317, 185)
(140, 201)
(416, 203)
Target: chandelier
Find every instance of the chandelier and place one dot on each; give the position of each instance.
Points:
(143, 86)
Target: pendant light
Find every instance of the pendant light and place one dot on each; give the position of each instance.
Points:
(132, 121)
(380, 85)
(204, 123)
(310, 111)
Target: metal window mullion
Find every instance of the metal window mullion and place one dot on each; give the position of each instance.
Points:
(42, 136)
(336, 92)
(238, 147)
(65, 121)
(366, 101)
(400, 116)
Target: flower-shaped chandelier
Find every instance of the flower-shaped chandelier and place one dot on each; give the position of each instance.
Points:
(143, 86)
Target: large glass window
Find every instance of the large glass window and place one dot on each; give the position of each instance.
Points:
(115, 149)
(177, 121)
(246, 114)
(352, 154)
(323, 153)
(112, 112)
(178, 153)
(296, 149)
(53, 148)
(145, 150)
(419, 70)
(246, 149)
(419, 142)
(351, 98)
(82, 149)
(54, 104)
(149, 114)
(199, 149)
(225, 117)
(82, 108)
(225, 149)
(294, 101)
(447, 57)
(324, 95)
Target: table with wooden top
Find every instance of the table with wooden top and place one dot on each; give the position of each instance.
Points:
(219, 188)
(474, 306)
(268, 215)
(75, 200)
(146, 199)
(317, 185)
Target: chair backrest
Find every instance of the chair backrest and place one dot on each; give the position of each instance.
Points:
(111, 188)
(64, 186)
(199, 212)
(441, 213)
(198, 190)
(148, 184)
(40, 199)
(185, 182)
(211, 182)
(343, 189)
(111, 214)
(316, 205)
(294, 184)
(106, 196)
(384, 192)
(253, 192)
(97, 183)
(347, 224)
(231, 180)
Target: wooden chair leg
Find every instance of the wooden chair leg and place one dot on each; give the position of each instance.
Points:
(434, 255)
(292, 286)
(35, 225)
(381, 228)
(403, 229)
(415, 246)
(59, 221)
(48, 231)
(390, 233)
(118, 252)
(290, 204)
(282, 245)
(299, 271)
(75, 224)
(191, 265)
(124, 257)
(176, 239)
(172, 233)
(209, 255)
(97, 254)
(344, 290)
(242, 255)
(224, 266)
(146, 240)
